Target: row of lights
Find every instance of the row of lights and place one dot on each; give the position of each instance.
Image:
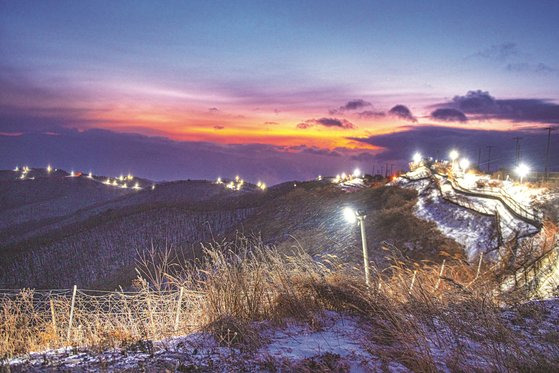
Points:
(238, 183)
(123, 185)
(108, 181)
(340, 178)
(522, 170)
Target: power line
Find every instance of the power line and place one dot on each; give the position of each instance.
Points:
(546, 172)
(489, 147)
(517, 155)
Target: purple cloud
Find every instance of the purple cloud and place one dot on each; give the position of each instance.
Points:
(327, 122)
(402, 112)
(449, 115)
(350, 106)
(498, 52)
(481, 105)
(538, 68)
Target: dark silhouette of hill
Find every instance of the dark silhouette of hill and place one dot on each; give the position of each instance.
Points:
(90, 234)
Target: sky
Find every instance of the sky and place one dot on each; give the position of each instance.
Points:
(278, 90)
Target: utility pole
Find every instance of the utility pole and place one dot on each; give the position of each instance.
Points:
(479, 159)
(489, 147)
(517, 154)
(546, 172)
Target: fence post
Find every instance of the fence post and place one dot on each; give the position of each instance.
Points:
(177, 317)
(412, 281)
(152, 328)
(479, 266)
(53, 316)
(440, 275)
(71, 313)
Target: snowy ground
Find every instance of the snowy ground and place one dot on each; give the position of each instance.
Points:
(339, 341)
(339, 344)
(470, 221)
(475, 232)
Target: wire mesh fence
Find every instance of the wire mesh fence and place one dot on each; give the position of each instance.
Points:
(55, 318)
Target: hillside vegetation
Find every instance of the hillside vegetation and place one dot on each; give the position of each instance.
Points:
(97, 246)
(241, 290)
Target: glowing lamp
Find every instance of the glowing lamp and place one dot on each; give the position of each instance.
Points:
(417, 157)
(350, 215)
(357, 172)
(453, 155)
(522, 170)
(464, 164)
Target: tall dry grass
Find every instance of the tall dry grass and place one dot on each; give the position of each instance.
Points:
(456, 317)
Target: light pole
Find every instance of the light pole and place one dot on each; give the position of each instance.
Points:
(359, 216)
(522, 170)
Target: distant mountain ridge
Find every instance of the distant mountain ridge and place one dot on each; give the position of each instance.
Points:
(57, 231)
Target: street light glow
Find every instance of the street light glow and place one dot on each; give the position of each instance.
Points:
(453, 154)
(464, 164)
(417, 157)
(357, 172)
(522, 170)
(349, 215)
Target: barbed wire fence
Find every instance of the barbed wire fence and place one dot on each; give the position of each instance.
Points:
(77, 317)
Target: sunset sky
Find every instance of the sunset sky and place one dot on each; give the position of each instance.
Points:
(307, 86)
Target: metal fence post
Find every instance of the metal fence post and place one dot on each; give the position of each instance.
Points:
(177, 317)
(71, 313)
(440, 275)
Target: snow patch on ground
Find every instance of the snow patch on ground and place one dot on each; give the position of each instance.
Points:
(343, 341)
(339, 337)
(475, 232)
(469, 220)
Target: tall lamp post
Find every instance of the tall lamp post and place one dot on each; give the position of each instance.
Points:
(522, 171)
(359, 216)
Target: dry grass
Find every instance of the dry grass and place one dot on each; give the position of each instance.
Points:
(246, 281)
